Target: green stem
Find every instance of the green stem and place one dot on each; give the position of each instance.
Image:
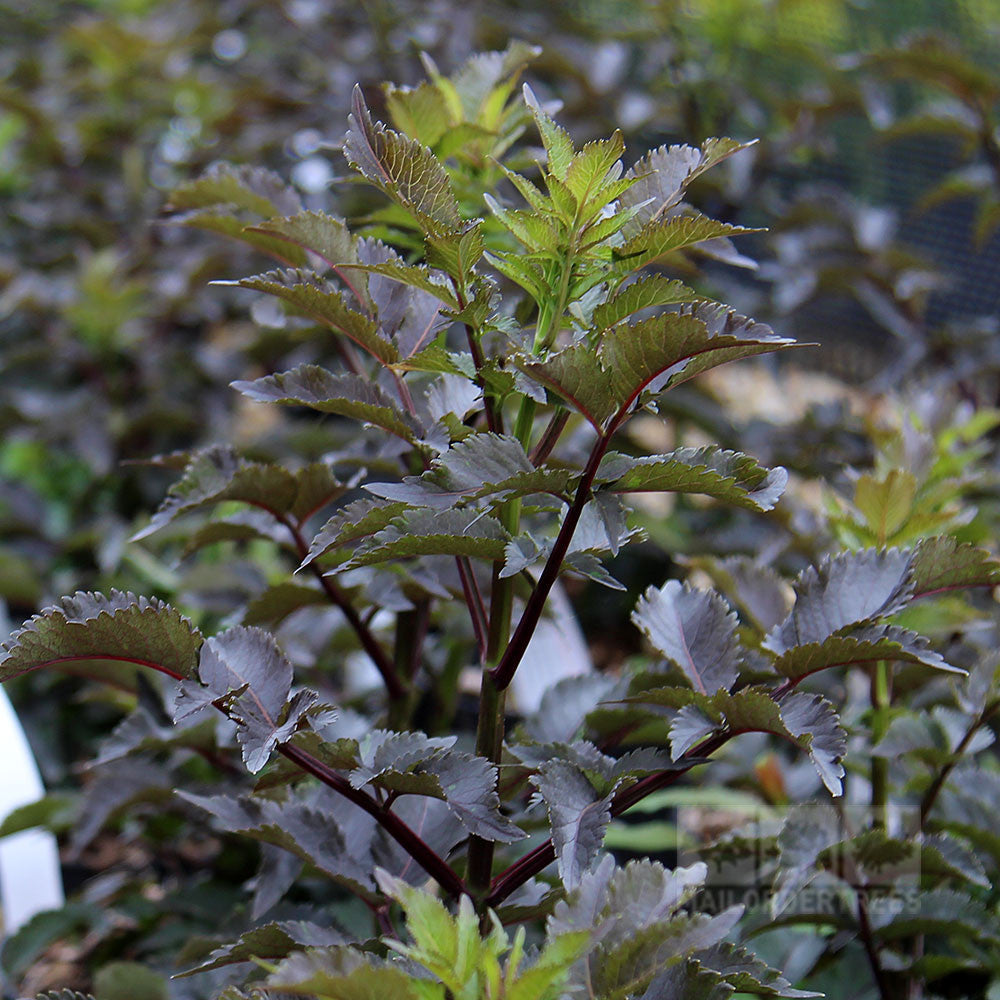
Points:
(489, 733)
(411, 627)
(880, 700)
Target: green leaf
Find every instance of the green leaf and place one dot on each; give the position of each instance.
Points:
(219, 220)
(344, 395)
(217, 473)
(250, 188)
(358, 520)
(862, 645)
(645, 293)
(52, 811)
(665, 236)
(91, 626)
(535, 231)
(416, 276)
(269, 941)
(848, 589)
(28, 942)
(343, 973)
(421, 112)
(427, 533)
(456, 253)
(129, 981)
(280, 600)
(942, 564)
(312, 296)
(694, 629)
(482, 465)
(404, 169)
(654, 354)
(725, 475)
(887, 502)
(556, 141)
(662, 175)
(590, 169)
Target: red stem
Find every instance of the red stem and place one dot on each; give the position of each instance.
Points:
(504, 671)
(371, 645)
(411, 842)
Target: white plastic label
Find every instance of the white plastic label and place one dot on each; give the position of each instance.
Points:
(30, 877)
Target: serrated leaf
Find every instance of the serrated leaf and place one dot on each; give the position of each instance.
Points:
(89, 626)
(811, 722)
(344, 395)
(456, 253)
(217, 473)
(578, 815)
(662, 175)
(324, 235)
(862, 645)
(414, 276)
(466, 783)
(848, 589)
(937, 911)
(243, 526)
(649, 291)
(402, 168)
(425, 532)
(942, 564)
(342, 973)
(280, 600)
(407, 314)
(744, 971)
(482, 465)
(310, 833)
(590, 169)
(535, 231)
(564, 707)
(269, 941)
(421, 112)
(244, 669)
(807, 720)
(317, 487)
(619, 973)
(555, 139)
(652, 355)
(885, 502)
(317, 298)
(661, 237)
(759, 591)
(251, 188)
(694, 629)
(725, 475)
(352, 523)
(221, 221)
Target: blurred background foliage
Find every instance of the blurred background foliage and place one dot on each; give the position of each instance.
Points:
(876, 182)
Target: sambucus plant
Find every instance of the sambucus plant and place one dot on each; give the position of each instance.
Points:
(484, 378)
